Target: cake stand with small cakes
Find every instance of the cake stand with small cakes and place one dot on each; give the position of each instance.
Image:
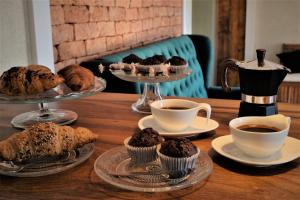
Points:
(151, 72)
(36, 84)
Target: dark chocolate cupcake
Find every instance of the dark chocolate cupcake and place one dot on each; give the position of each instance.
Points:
(178, 147)
(145, 138)
(132, 58)
(176, 61)
(141, 147)
(178, 155)
(177, 64)
(154, 64)
(154, 60)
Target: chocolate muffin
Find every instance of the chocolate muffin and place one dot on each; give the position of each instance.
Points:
(145, 138)
(141, 147)
(132, 58)
(176, 61)
(178, 147)
(178, 156)
(154, 60)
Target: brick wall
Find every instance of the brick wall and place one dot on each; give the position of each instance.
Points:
(86, 29)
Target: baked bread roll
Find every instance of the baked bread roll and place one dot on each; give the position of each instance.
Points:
(77, 78)
(29, 80)
(44, 139)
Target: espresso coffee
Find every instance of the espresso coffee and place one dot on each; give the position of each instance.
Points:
(258, 128)
(175, 108)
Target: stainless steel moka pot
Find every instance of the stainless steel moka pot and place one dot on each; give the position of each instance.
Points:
(259, 83)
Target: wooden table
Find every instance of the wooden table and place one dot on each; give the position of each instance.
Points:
(110, 116)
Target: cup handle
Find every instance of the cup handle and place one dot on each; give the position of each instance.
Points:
(206, 107)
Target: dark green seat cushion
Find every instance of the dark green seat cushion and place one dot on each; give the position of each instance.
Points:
(191, 86)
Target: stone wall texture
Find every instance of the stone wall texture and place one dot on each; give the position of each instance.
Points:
(87, 29)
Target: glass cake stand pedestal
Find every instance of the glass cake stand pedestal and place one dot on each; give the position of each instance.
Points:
(44, 114)
(151, 91)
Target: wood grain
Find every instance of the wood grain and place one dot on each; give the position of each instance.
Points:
(230, 26)
(289, 92)
(290, 47)
(110, 116)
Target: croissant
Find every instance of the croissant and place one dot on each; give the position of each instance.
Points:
(39, 68)
(77, 78)
(29, 80)
(44, 139)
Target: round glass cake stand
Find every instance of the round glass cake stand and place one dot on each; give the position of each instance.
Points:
(44, 114)
(151, 91)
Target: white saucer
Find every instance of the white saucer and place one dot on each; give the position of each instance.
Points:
(290, 151)
(200, 125)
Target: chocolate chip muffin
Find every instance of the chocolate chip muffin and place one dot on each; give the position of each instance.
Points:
(178, 156)
(145, 138)
(132, 58)
(178, 147)
(141, 147)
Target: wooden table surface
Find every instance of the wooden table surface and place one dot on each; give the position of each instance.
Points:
(110, 116)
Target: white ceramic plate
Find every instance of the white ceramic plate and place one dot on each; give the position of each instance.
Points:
(290, 151)
(200, 125)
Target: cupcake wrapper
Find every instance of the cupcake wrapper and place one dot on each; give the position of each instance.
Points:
(156, 68)
(177, 166)
(178, 68)
(141, 155)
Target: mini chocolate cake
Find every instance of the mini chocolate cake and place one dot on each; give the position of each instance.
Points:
(178, 147)
(114, 67)
(145, 138)
(132, 58)
(176, 61)
(154, 60)
(128, 68)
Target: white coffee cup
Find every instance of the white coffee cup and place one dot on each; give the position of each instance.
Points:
(260, 144)
(175, 120)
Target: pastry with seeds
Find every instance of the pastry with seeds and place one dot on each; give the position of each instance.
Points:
(43, 140)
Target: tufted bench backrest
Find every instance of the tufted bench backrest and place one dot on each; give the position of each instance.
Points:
(191, 86)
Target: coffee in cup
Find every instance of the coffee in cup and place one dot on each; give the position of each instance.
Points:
(259, 136)
(177, 114)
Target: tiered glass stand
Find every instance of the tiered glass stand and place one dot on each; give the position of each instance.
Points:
(151, 90)
(44, 114)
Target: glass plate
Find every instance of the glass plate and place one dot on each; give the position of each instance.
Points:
(132, 77)
(60, 92)
(47, 166)
(114, 167)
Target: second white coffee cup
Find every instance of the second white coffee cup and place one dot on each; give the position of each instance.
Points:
(171, 119)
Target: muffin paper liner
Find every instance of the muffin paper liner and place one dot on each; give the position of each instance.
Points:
(140, 155)
(157, 66)
(177, 166)
(178, 68)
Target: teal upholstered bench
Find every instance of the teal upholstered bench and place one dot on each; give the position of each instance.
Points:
(195, 49)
